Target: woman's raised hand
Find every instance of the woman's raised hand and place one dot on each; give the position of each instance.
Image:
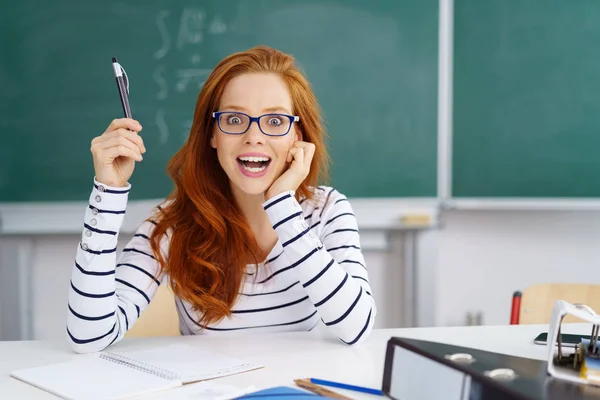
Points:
(116, 151)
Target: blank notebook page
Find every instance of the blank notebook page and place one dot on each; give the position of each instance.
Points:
(191, 363)
(93, 378)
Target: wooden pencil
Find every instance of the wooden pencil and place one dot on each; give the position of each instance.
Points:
(320, 390)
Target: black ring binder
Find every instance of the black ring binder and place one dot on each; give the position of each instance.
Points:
(487, 375)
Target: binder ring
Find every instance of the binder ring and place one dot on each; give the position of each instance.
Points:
(501, 374)
(461, 358)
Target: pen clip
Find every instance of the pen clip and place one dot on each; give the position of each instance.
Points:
(125, 78)
(120, 72)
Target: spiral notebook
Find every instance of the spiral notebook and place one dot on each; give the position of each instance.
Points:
(122, 375)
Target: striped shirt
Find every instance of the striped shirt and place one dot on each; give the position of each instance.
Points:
(315, 272)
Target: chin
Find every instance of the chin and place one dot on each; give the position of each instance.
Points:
(252, 186)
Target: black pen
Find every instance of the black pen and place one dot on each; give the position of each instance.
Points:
(123, 86)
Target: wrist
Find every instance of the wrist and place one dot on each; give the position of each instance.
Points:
(271, 194)
(109, 184)
(116, 185)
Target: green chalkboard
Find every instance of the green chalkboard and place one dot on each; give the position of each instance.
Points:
(526, 98)
(372, 64)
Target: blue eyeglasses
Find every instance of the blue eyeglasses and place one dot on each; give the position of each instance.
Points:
(237, 123)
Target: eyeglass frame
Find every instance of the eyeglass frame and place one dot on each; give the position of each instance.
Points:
(216, 115)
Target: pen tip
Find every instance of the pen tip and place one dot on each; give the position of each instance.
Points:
(114, 59)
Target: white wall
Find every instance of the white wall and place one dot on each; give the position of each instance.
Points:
(484, 256)
(472, 262)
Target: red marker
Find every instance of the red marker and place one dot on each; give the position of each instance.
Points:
(516, 308)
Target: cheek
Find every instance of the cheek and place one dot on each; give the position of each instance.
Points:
(223, 153)
(221, 156)
(282, 149)
(222, 144)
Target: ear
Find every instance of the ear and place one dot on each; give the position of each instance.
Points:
(299, 136)
(213, 142)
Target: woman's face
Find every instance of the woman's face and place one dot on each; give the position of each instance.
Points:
(253, 160)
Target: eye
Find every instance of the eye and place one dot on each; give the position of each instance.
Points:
(234, 120)
(274, 121)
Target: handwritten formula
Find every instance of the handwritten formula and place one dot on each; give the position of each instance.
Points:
(194, 28)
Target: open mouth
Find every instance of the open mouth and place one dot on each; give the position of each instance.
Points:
(254, 164)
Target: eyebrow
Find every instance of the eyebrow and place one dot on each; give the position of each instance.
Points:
(267, 110)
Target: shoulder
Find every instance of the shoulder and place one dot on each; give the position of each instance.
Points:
(329, 212)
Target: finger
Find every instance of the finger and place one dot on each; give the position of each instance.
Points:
(129, 135)
(116, 142)
(307, 146)
(122, 151)
(309, 152)
(126, 123)
(298, 154)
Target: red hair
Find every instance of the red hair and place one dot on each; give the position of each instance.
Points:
(210, 240)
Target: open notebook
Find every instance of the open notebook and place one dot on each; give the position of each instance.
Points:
(121, 375)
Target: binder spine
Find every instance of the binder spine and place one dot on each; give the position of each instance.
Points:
(140, 366)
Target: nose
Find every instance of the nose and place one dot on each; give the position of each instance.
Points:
(253, 135)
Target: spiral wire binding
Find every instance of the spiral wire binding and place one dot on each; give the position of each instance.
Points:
(140, 366)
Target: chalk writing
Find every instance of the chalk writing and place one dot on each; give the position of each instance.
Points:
(164, 33)
(163, 129)
(191, 27)
(161, 81)
(217, 26)
(185, 76)
(196, 58)
(195, 27)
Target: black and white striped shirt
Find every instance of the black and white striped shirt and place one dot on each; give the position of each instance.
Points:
(316, 272)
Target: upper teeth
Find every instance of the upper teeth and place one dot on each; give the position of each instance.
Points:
(255, 159)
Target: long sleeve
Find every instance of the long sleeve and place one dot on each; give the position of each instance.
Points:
(329, 264)
(106, 297)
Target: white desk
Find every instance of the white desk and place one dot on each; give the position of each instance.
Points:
(288, 356)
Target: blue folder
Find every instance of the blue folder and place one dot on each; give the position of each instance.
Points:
(280, 393)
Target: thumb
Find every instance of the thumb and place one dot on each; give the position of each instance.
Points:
(291, 154)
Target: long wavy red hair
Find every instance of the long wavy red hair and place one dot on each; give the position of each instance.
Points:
(210, 240)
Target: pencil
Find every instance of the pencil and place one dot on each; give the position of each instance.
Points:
(321, 391)
(346, 386)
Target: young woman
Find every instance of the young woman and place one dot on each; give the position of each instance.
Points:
(247, 240)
